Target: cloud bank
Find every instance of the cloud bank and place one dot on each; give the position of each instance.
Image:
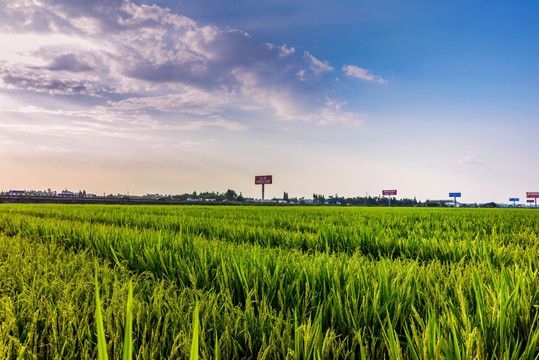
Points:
(142, 59)
(360, 73)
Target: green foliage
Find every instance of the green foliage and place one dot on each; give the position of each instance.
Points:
(128, 340)
(263, 282)
(194, 341)
(101, 341)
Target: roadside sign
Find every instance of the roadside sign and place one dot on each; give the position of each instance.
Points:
(389, 193)
(530, 201)
(532, 194)
(454, 195)
(515, 199)
(263, 179)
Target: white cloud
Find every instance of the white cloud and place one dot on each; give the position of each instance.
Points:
(471, 160)
(15, 77)
(191, 101)
(332, 113)
(140, 59)
(360, 73)
(287, 51)
(6, 141)
(108, 121)
(70, 129)
(224, 123)
(96, 121)
(284, 51)
(317, 66)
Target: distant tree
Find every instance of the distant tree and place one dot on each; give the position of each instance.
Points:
(230, 195)
(285, 196)
(370, 201)
(320, 199)
(240, 197)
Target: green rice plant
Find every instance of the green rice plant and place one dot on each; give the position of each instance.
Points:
(47, 306)
(101, 341)
(194, 341)
(411, 233)
(128, 331)
(310, 283)
(390, 240)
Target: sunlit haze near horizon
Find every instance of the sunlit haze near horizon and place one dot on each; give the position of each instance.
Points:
(346, 98)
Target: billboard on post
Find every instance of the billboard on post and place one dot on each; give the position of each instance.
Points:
(532, 194)
(455, 194)
(514, 199)
(389, 192)
(263, 179)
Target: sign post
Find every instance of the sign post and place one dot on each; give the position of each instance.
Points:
(389, 193)
(263, 180)
(513, 200)
(455, 195)
(530, 202)
(533, 195)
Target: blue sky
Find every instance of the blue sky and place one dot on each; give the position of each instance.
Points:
(340, 97)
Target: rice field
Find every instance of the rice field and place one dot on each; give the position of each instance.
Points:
(268, 282)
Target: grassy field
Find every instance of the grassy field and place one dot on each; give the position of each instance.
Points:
(270, 282)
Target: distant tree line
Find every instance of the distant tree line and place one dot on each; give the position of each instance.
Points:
(364, 200)
(229, 195)
(232, 196)
(318, 199)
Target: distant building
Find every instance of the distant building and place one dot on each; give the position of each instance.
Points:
(17, 192)
(40, 193)
(440, 202)
(66, 193)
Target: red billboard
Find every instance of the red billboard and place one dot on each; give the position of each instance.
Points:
(263, 179)
(533, 195)
(389, 192)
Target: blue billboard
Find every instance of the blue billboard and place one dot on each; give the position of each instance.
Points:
(514, 199)
(454, 194)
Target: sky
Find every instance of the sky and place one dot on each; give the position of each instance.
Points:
(330, 97)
